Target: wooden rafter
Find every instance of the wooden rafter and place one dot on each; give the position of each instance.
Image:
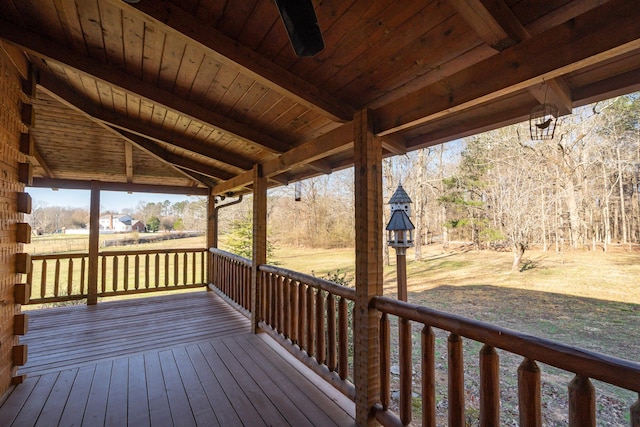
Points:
(243, 59)
(116, 120)
(587, 39)
(50, 51)
(128, 160)
(338, 140)
(172, 158)
(38, 158)
(500, 28)
(71, 184)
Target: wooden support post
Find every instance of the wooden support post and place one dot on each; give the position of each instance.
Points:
(456, 380)
(212, 234)
(94, 243)
(582, 402)
(259, 241)
(368, 223)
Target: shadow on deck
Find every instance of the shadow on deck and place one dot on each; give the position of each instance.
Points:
(184, 359)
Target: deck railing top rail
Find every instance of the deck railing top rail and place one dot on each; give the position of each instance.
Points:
(619, 372)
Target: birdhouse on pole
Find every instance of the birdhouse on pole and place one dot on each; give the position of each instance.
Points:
(400, 228)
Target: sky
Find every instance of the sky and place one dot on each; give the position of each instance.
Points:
(115, 201)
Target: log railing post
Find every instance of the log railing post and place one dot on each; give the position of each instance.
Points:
(406, 370)
(635, 413)
(456, 380)
(368, 242)
(582, 402)
(489, 387)
(529, 394)
(385, 361)
(428, 341)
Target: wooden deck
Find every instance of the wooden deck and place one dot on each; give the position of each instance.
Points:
(180, 360)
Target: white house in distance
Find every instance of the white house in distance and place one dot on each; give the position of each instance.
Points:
(120, 223)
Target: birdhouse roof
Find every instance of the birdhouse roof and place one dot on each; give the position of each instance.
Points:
(400, 196)
(400, 221)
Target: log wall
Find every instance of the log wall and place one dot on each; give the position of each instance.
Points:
(14, 168)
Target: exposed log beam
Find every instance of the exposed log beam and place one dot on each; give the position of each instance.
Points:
(179, 161)
(338, 140)
(496, 24)
(394, 144)
(70, 184)
(50, 51)
(116, 120)
(101, 124)
(322, 166)
(128, 160)
(615, 86)
(588, 39)
(492, 20)
(243, 60)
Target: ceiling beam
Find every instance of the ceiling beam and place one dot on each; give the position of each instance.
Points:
(242, 59)
(50, 51)
(114, 119)
(336, 141)
(496, 24)
(71, 184)
(176, 160)
(593, 37)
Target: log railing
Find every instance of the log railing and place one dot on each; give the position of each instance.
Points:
(64, 277)
(307, 315)
(231, 274)
(586, 365)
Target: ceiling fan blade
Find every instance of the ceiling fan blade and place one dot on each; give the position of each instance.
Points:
(300, 20)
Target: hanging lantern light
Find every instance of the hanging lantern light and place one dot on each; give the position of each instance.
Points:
(542, 121)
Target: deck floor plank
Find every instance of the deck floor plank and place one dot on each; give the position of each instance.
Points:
(180, 360)
(73, 411)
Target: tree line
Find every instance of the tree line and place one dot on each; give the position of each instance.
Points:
(497, 190)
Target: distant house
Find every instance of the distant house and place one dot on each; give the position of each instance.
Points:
(120, 223)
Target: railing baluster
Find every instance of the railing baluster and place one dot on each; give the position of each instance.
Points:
(295, 312)
(489, 387)
(456, 381)
(286, 307)
(176, 268)
(202, 267)
(343, 338)
(185, 270)
(70, 277)
(43, 279)
(146, 271)
(634, 413)
(321, 350)
(115, 274)
(103, 277)
(428, 341)
(310, 318)
(529, 394)
(82, 274)
(582, 402)
(166, 269)
(406, 371)
(56, 278)
(125, 276)
(136, 274)
(302, 316)
(332, 359)
(385, 361)
(281, 305)
(193, 268)
(156, 270)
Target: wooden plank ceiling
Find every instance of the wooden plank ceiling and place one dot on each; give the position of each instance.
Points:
(194, 93)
